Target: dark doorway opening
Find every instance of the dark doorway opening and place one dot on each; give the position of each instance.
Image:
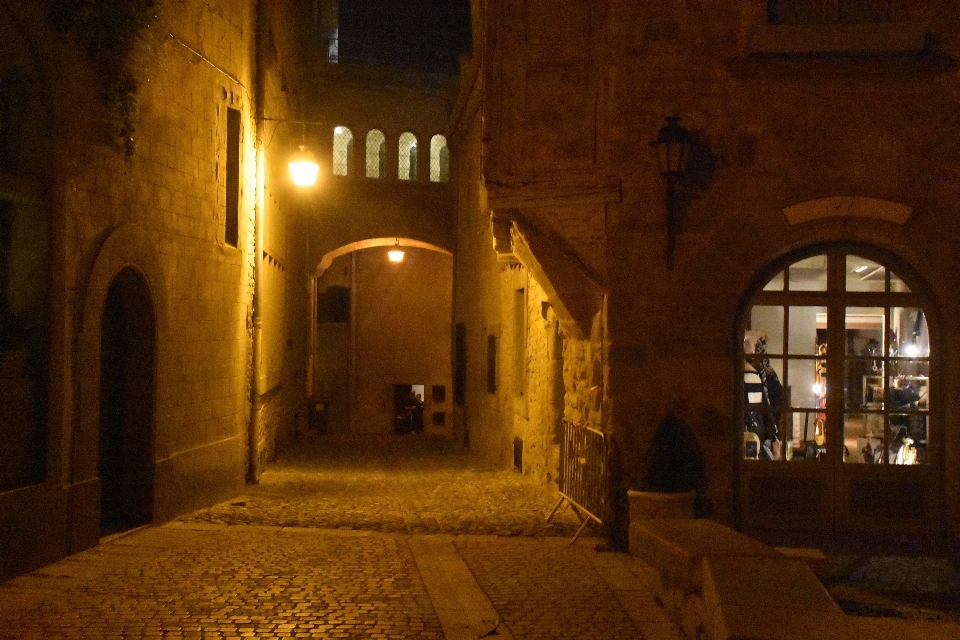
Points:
(408, 408)
(126, 404)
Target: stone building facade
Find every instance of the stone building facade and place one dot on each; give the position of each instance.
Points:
(162, 283)
(144, 372)
(823, 132)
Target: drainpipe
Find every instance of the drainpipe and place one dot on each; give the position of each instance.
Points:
(253, 457)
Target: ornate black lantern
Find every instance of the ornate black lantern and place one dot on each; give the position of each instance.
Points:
(673, 146)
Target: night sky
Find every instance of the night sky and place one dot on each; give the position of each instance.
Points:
(429, 35)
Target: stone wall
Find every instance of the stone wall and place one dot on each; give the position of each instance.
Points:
(571, 95)
(158, 205)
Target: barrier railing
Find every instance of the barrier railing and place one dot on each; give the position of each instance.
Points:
(583, 474)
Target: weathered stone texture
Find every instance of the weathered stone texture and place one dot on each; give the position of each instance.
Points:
(160, 210)
(782, 129)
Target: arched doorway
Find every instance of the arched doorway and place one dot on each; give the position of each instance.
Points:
(838, 360)
(126, 404)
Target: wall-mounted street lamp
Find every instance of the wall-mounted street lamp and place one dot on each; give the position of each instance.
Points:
(303, 167)
(673, 146)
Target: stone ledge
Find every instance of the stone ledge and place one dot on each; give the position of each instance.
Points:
(721, 584)
(676, 548)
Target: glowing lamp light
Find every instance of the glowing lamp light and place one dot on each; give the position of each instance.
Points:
(396, 254)
(303, 168)
(911, 350)
(818, 389)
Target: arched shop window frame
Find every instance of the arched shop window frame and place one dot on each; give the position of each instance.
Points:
(407, 156)
(857, 404)
(342, 150)
(376, 153)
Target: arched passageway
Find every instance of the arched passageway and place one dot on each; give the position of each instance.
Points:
(126, 404)
(381, 332)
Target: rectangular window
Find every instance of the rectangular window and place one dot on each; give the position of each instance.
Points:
(491, 364)
(460, 365)
(232, 213)
(520, 341)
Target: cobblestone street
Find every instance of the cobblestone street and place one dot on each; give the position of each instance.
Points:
(401, 538)
(405, 537)
(406, 484)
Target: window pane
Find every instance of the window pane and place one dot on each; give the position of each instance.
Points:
(865, 275)
(907, 391)
(376, 147)
(909, 336)
(808, 330)
(766, 330)
(863, 384)
(342, 145)
(808, 438)
(809, 274)
(908, 442)
(775, 284)
(864, 331)
(806, 389)
(407, 168)
(439, 159)
(897, 285)
(761, 435)
(863, 438)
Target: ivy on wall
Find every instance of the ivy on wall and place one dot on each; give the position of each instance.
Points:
(110, 32)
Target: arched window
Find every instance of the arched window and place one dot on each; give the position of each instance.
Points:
(439, 159)
(837, 374)
(376, 152)
(407, 168)
(342, 150)
(879, 361)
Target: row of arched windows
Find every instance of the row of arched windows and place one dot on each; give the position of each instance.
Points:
(376, 151)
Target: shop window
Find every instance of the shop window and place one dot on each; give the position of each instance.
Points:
(376, 153)
(439, 159)
(232, 213)
(342, 150)
(407, 167)
(837, 368)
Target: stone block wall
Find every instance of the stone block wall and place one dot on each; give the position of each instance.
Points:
(572, 94)
(158, 206)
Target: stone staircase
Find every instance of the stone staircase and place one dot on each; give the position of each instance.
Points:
(719, 584)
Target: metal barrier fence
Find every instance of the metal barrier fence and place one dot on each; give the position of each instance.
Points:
(583, 478)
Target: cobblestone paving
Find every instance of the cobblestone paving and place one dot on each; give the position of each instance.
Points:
(546, 589)
(233, 582)
(406, 484)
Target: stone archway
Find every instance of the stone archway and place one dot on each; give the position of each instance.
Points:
(376, 324)
(128, 251)
(127, 384)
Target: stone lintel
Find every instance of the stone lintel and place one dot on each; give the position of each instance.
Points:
(848, 206)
